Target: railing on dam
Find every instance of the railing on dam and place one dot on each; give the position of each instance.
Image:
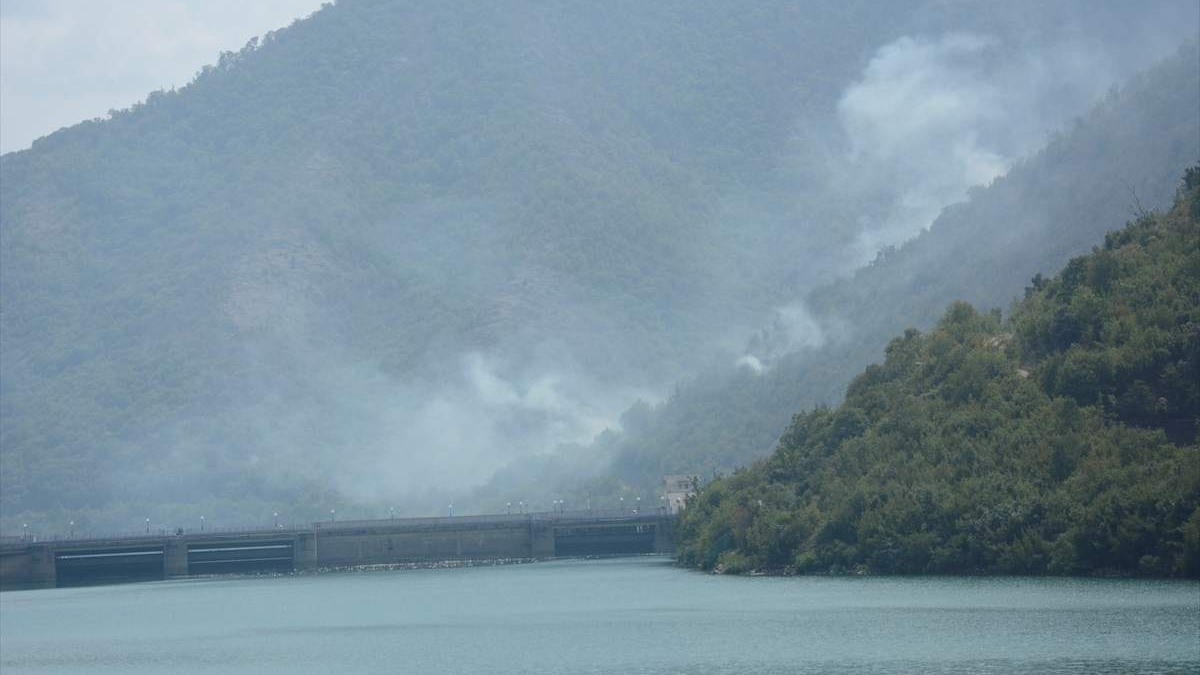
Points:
(87, 538)
(598, 515)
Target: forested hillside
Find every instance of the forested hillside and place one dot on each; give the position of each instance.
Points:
(1120, 158)
(1060, 440)
(305, 275)
(379, 255)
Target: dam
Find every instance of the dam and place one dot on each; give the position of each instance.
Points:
(329, 545)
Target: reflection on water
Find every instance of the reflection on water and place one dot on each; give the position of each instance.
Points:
(638, 615)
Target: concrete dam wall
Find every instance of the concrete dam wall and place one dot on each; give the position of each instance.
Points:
(74, 562)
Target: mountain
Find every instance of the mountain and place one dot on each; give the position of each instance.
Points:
(1061, 440)
(1089, 179)
(376, 256)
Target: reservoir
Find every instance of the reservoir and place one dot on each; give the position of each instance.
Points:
(626, 615)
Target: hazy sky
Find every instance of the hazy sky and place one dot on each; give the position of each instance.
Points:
(64, 61)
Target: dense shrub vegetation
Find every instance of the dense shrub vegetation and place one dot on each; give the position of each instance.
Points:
(1060, 440)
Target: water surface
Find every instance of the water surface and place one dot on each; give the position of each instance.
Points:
(636, 615)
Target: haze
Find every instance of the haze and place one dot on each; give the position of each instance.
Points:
(398, 255)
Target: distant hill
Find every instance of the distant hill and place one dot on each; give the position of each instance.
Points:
(1061, 440)
(377, 255)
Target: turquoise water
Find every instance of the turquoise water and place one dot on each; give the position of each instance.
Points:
(636, 615)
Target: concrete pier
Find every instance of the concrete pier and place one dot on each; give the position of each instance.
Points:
(175, 560)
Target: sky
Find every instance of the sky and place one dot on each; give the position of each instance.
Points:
(65, 61)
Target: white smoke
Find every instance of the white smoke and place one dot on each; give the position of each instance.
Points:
(927, 119)
(931, 117)
(752, 362)
(404, 438)
(791, 328)
(914, 122)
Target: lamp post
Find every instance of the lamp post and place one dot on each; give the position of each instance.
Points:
(201, 523)
(147, 526)
(391, 513)
(25, 531)
(72, 529)
(451, 510)
(622, 505)
(509, 507)
(638, 506)
(332, 514)
(275, 515)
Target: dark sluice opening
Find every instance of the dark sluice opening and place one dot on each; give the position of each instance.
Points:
(234, 559)
(604, 541)
(93, 568)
